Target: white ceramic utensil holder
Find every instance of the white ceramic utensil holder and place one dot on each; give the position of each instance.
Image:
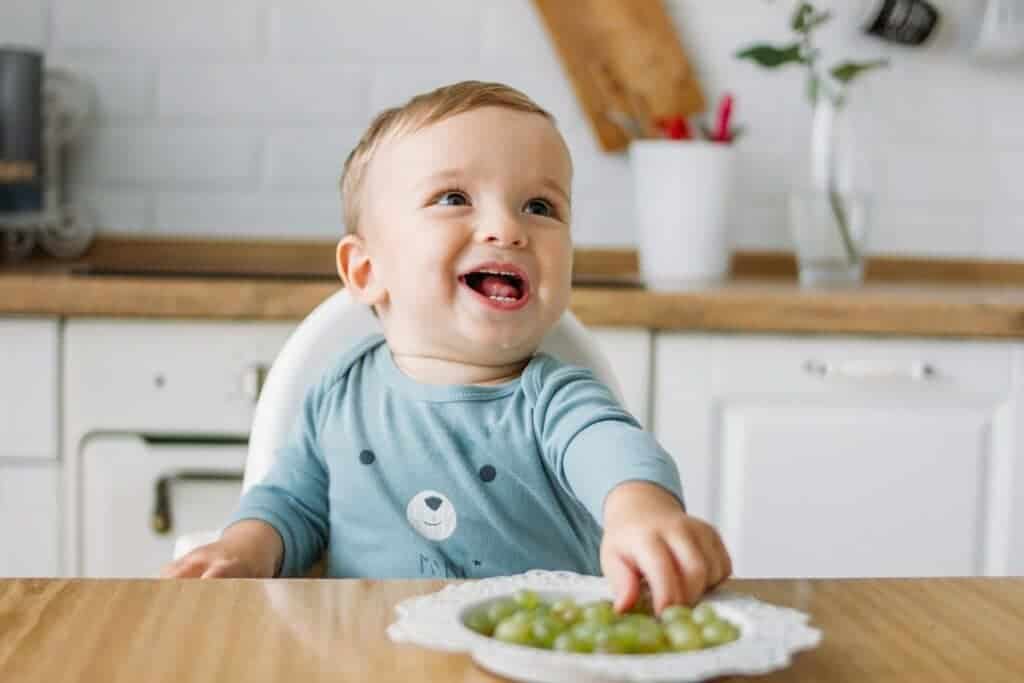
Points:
(681, 193)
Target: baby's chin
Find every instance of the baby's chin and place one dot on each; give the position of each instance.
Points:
(499, 347)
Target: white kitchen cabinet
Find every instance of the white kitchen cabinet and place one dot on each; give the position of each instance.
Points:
(29, 518)
(629, 352)
(848, 457)
(28, 387)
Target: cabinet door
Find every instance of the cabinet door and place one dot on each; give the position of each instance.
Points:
(845, 457)
(139, 495)
(29, 518)
(629, 352)
(28, 387)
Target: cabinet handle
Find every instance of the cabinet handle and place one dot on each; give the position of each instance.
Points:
(162, 520)
(253, 379)
(917, 371)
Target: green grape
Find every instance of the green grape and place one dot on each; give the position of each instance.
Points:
(676, 613)
(514, 631)
(639, 620)
(500, 610)
(607, 642)
(585, 631)
(683, 636)
(718, 633)
(626, 632)
(478, 621)
(601, 612)
(650, 637)
(526, 599)
(703, 614)
(566, 610)
(568, 642)
(542, 609)
(523, 616)
(562, 603)
(545, 630)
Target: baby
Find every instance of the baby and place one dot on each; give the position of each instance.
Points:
(448, 447)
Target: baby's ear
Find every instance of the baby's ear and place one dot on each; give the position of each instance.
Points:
(356, 270)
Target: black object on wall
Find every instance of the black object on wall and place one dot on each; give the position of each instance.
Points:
(21, 130)
(909, 22)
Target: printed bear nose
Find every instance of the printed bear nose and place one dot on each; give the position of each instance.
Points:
(433, 503)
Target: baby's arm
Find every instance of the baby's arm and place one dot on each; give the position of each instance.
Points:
(631, 486)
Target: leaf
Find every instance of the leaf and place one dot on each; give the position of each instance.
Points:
(799, 22)
(806, 18)
(848, 71)
(770, 56)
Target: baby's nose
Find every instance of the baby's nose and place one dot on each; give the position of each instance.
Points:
(502, 231)
(433, 502)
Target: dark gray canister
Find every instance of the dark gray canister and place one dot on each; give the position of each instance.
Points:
(21, 130)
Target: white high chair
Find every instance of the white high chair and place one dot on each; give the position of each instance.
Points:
(337, 322)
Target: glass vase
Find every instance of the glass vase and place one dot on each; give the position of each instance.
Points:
(830, 206)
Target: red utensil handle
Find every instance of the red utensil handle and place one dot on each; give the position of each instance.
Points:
(724, 115)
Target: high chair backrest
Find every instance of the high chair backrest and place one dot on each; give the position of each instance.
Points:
(340, 321)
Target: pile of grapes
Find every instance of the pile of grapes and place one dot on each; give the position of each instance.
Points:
(565, 626)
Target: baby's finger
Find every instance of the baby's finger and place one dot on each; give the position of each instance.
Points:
(220, 569)
(188, 567)
(659, 568)
(726, 558)
(723, 563)
(692, 564)
(624, 579)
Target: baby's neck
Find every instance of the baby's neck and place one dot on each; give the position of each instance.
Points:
(430, 370)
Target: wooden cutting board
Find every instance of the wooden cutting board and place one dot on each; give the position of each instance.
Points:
(622, 55)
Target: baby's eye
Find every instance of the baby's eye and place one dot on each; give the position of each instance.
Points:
(452, 198)
(540, 207)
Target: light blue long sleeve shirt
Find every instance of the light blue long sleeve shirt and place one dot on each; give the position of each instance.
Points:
(394, 478)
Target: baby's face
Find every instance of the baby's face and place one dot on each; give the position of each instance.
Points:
(466, 223)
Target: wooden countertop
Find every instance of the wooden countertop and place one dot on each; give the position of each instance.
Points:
(230, 280)
(223, 631)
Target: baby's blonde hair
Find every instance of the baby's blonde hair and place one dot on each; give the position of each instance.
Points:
(422, 110)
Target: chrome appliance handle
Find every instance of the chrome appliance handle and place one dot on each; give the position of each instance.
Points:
(162, 520)
(916, 371)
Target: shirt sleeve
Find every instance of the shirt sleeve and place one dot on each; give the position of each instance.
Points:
(292, 498)
(592, 442)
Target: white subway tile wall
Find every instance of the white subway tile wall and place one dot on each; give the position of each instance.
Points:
(233, 117)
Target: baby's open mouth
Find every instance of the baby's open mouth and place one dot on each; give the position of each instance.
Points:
(498, 286)
(503, 285)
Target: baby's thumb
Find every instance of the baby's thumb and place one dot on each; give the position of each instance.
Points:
(624, 579)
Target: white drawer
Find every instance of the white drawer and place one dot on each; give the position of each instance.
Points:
(837, 365)
(28, 387)
(166, 376)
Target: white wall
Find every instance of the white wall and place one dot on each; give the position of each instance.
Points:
(232, 117)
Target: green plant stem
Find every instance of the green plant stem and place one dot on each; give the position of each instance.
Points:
(836, 202)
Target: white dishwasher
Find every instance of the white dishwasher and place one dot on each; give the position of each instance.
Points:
(156, 421)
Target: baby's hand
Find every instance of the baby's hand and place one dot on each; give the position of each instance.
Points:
(248, 549)
(648, 535)
(213, 560)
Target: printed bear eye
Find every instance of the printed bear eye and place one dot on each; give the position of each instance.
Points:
(367, 457)
(488, 473)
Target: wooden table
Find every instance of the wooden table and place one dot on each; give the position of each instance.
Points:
(306, 631)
